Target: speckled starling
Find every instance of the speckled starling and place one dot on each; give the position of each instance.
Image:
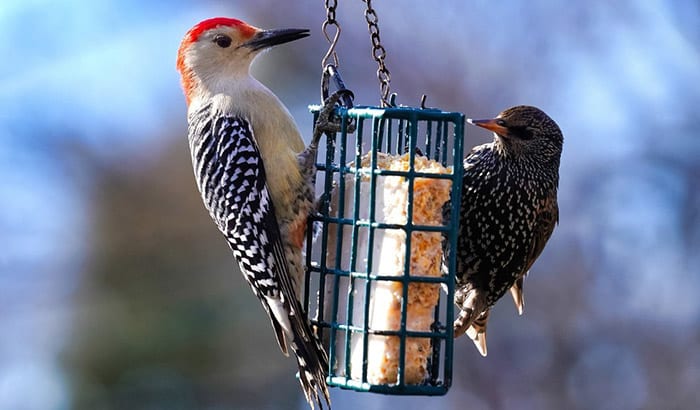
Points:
(509, 209)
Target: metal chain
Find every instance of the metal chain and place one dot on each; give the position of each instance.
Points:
(379, 53)
(330, 21)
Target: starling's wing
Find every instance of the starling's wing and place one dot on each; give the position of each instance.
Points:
(544, 226)
(547, 218)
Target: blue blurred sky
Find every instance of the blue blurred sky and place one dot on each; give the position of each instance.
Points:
(99, 74)
(621, 78)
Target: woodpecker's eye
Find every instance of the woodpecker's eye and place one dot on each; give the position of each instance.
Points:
(222, 40)
(500, 122)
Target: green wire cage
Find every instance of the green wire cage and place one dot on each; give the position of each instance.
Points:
(346, 277)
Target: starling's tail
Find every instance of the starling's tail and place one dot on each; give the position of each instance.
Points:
(477, 332)
(472, 317)
(516, 291)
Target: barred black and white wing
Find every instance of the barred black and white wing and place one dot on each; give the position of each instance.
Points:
(231, 177)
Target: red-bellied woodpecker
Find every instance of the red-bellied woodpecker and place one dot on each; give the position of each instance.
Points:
(255, 176)
(509, 209)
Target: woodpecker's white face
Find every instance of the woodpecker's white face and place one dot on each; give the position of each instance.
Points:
(222, 49)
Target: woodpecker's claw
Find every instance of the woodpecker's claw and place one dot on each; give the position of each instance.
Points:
(323, 206)
(327, 122)
(325, 116)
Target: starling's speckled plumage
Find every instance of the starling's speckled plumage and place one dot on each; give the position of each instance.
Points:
(509, 209)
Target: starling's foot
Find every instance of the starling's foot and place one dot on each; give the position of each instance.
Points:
(471, 308)
(463, 322)
(473, 327)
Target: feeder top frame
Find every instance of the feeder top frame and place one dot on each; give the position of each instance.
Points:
(399, 112)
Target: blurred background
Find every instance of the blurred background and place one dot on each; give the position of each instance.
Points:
(116, 290)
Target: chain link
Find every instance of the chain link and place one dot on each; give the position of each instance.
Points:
(331, 5)
(378, 53)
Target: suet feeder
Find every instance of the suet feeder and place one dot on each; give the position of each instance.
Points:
(379, 290)
(373, 278)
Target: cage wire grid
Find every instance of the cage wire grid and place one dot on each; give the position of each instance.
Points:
(335, 289)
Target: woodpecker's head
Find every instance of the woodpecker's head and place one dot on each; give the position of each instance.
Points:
(525, 131)
(221, 48)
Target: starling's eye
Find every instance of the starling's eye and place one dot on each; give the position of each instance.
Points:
(500, 122)
(522, 133)
(222, 40)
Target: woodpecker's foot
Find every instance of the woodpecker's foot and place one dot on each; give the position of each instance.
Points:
(326, 123)
(323, 202)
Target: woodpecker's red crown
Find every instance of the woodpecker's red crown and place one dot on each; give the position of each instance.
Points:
(221, 48)
(245, 30)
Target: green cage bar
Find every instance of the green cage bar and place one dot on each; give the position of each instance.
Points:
(341, 274)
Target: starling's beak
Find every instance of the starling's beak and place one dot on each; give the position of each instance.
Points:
(269, 38)
(491, 125)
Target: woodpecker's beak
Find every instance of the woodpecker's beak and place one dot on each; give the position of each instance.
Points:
(491, 125)
(269, 38)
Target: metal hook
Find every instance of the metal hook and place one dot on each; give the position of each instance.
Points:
(346, 96)
(392, 100)
(333, 43)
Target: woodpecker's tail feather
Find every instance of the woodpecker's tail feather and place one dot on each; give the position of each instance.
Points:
(279, 332)
(313, 364)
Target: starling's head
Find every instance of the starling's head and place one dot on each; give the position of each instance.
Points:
(525, 131)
